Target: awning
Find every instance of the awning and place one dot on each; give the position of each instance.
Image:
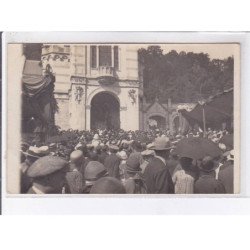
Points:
(218, 109)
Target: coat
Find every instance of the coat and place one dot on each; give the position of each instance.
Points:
(207, 184)
(226, 176)
(112, 163)
(157, 178)
(74, 182)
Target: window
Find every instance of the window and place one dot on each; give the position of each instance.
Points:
(116, 57)
(105, 58)
(93, 57)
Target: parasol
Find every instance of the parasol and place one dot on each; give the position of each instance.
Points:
(197, 148)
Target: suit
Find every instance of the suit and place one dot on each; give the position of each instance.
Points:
(112, 163)
(157, 178)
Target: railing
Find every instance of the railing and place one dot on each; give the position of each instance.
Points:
(106, 71)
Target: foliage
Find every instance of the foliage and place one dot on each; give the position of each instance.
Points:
(183, 77)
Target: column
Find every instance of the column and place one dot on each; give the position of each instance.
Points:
(112, 56)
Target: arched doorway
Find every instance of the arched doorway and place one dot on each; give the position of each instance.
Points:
(105, 111)
(157, 121)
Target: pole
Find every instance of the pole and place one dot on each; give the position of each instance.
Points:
(204, 121)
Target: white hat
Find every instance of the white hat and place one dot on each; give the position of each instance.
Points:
(147, 152)
(96, 137)
(123, 155)
(230, 157)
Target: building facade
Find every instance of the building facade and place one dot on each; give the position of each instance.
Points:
(97, 86)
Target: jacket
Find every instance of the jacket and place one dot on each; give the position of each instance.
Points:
(157, 178)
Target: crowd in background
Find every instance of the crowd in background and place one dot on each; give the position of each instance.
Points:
(132, 162)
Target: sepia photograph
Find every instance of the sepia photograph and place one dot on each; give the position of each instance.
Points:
(123, 118)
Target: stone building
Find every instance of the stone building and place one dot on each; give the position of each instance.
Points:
(97, 86)
(101, 86)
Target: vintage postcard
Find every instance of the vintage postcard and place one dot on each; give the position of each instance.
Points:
(122, 118)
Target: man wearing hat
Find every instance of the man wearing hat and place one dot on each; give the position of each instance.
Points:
(32, 154)
(207, 183)
(112, 162)
(48, 174)
(226, 173)
(134, 183)
(93, 172)
(156, 175)
(147, 156)
(74, 179)
(108, 185)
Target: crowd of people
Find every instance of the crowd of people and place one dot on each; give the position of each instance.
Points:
(129, 162)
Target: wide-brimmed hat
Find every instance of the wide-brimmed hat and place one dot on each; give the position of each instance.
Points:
(162, 143)
(94, 170)
(107, 185)
(37, 152)
(207, 164)
(46, 165)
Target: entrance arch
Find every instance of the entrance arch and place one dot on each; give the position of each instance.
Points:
(105, 111)
(160, 121)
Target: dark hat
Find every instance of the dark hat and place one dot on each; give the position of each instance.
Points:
(207, 164)
(108, 185)
(162, 143)
(94, 170)
(46, 165)
(133, 163)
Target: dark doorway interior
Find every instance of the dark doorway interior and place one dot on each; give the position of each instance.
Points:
(160, 121)
(105, 111)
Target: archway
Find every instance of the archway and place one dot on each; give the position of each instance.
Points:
(157, 121)
(105, 111)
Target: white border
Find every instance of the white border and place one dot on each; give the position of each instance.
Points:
(134, 205)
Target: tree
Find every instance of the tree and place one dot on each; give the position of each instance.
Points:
(183, 77)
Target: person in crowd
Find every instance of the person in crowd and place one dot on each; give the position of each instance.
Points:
(156, 174)
(134, 183)
(32, 154)
(104, 153)
(226, 173)
(147, 156)
(108, 185)
(75, 182)
(122, 167)
(207, 183)
(48, 174)
(112, 162)
(93, 171)
(184, 178)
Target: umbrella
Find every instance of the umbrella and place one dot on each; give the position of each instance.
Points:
(228, 140)
(197, 148)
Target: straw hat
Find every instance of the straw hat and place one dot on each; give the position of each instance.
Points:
(37, 152)
(162, 143)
